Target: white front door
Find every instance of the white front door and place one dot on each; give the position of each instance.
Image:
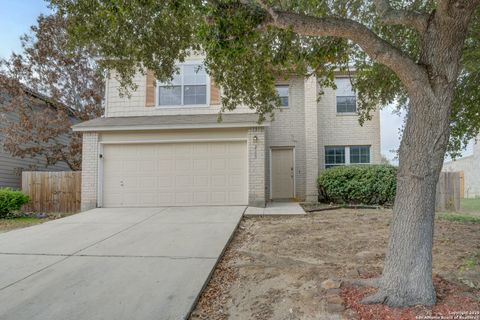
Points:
(175, 174)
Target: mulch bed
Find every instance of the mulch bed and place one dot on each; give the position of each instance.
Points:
(453, 302)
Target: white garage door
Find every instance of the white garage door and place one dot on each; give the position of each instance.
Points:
(177, 174)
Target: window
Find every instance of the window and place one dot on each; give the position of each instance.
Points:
(360, 154)
(346, 98)
(282, 92)
(334, 156)
(188, 87)
(343, 155)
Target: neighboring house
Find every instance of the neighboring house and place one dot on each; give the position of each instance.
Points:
(470, 165)
(11, 167)
(163, 146)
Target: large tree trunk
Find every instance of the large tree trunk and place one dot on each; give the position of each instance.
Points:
(407, 275)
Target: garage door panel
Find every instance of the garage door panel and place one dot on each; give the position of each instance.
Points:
(219, 181)
(201, 181)
(200, 164)
(175, 174)
(165, 182)
(235, 196)
(165, 165)
(148, 183)
(148, 166)
(219, 197)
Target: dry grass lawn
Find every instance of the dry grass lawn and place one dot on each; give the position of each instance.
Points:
(20, 222)
(274, 266)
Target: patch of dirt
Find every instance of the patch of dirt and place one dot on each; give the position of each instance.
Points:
(274, 266)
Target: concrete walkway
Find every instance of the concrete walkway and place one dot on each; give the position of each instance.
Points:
(129, 263)
(276, 209)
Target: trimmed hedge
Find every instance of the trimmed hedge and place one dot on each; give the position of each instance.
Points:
(368, 184)
(11, 201)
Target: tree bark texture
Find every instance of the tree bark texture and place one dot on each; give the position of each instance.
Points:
(407, 274)
(430, 83)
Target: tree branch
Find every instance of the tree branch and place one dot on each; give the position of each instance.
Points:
(388, 15)
(378, 49)
(451, 8)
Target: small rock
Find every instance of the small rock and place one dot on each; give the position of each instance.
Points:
(334, 299)
(352, 274)
(331, 284)
(335, 308)
(349, 314)
(363, 256)
(334, 291)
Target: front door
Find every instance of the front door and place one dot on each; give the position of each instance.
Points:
(282, 174)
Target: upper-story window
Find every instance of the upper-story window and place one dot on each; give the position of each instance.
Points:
(346, 98)
(188, 87)
(282, 91)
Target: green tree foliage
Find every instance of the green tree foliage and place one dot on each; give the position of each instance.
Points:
(246, 55)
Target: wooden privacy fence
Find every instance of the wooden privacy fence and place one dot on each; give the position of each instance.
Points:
(52, 191)
(449, 189)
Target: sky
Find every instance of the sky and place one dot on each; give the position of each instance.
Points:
(16, 17)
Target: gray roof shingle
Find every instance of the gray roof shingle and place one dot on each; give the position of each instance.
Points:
(189, 121)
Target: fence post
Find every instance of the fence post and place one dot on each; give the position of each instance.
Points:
(448, 192)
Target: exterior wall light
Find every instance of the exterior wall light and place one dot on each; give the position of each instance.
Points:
(255, 139)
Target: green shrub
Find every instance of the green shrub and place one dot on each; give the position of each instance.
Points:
(11, 201)
(368, 184)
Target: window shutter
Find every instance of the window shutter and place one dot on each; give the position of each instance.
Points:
(214, 93)
(150, 95)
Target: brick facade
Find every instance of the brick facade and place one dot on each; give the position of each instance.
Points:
(311, 134)
(344, 130)
(256, 166)
(288, 130)
(308, 125)
(89, 171)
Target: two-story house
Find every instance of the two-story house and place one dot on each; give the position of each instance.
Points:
(163, 145)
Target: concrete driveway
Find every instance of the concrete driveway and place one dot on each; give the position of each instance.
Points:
(129, 263)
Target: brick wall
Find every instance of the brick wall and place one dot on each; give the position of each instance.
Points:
(256, 167)
(135, 103)
(288, 130)
(311, 132)
(344, 130)
(89, 171)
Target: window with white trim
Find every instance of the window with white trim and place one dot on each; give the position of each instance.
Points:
(346, 155)
(345, 96)
(283, 93)
(334, 156)
(188, 87)
(359, 154)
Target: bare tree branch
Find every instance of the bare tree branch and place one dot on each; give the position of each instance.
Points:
(378, 49)
(388, 15)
